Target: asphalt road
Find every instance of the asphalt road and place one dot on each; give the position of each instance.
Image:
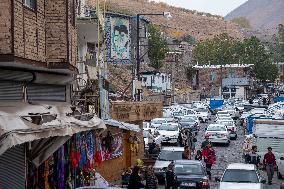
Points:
(227, 155)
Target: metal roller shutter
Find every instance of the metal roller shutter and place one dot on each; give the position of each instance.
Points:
(12, 168)
(11, 91)
(37, 92)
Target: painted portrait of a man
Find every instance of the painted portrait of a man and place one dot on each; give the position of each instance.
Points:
(119, 39)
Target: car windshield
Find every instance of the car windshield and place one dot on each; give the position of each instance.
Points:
(160, 121)
(167, 155)
(168, 128)
(240, 176)
(228, 123)
(178, 114)
(201, 110)
(185, 120)
(194, 169)
(216, 128)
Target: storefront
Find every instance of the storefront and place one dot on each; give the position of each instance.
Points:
(46, 144)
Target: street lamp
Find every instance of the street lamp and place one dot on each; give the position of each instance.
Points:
(168, 16)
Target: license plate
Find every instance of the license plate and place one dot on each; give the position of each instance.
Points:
(189, 184)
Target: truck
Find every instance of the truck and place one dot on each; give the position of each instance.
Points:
(270, 133)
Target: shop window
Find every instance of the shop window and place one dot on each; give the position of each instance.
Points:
(30, 4)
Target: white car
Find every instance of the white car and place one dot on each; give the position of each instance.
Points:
(241, 176)
(231, 127)
(155, 123)
(147, 126)
(280, 165)
(218, 133)
(202, 113)
(169, 133)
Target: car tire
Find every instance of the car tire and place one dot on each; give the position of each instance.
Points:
(279, 175)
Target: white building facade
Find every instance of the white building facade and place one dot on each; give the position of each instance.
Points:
(156, 82)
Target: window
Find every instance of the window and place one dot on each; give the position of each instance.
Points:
(212, 76)
(30, 3)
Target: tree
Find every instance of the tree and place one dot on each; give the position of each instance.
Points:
(223, 49)
(276, 45)
(157, 47)
(219, 50)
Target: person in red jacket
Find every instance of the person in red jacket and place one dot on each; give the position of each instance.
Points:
(209, 158)
(269, 162)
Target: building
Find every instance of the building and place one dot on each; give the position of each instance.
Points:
(38, 54)
(123, 119)
(234, 78)
(156, 82)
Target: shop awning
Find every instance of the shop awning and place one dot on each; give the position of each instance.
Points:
(23, 122)
(122, 125)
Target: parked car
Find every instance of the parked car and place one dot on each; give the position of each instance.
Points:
(147, 126)
(191, 174)
(218, 133)
(231, 126)
(157, 122)
(166, 156)
(239, 175)
(202, 113)
(189, 123)
(169, 133)
(178, 115)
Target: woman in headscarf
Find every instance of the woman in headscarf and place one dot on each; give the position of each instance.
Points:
(135, 181)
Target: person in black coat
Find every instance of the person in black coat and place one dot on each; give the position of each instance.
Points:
(171, 179)
(135, 181)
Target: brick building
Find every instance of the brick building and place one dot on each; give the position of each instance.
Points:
(235, 80)
(38, 34)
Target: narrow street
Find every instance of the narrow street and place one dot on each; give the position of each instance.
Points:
(227, 155)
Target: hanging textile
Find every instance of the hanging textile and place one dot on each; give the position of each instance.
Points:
(60, 168)
(90, 149)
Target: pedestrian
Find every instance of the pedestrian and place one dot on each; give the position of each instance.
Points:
(193, 144)
(189, 138)
(135, 181)
(209, 158)
(184, 138)
(186, 153)
(254, 157)
(269, 162)
(204, 143)
(198, 155)
(171, 179)
(247, 149)
(151, 141)
(151, 179)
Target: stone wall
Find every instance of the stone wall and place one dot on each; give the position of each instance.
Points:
(5, 27)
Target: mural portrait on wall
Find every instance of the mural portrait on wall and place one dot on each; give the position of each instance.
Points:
(120, 39)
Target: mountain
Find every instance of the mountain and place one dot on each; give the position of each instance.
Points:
(263, 15)
(183, 22)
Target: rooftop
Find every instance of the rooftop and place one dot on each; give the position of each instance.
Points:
(241, 166)
(224, 66)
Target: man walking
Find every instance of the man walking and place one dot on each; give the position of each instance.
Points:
(254, 157)
(269, 163)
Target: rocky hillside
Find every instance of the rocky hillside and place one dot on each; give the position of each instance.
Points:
(199, 25)
(262, 14)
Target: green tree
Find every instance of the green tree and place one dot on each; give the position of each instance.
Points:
(276, 45)
(219, 50)
(223, 49)
(157, 47)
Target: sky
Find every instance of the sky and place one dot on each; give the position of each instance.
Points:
(217, 7)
